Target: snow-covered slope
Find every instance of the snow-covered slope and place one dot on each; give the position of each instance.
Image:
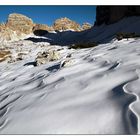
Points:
(98, 93)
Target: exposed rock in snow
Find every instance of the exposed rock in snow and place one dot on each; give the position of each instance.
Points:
(67, 63)
(4, 54)
(43, 58)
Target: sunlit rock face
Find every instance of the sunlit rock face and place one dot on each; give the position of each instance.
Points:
(66, 24)
(7, 34)
(16, 27)
(19, 22)
(4, 54)
(112, 14)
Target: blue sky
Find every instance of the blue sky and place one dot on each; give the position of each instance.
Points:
(48, 14)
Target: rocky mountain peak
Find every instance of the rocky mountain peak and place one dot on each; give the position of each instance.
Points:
(66, 24)
(19, 22)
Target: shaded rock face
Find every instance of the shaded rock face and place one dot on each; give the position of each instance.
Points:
(20, 23)
(40, 32)
(112, 14)
(86, 26)
(66, 24)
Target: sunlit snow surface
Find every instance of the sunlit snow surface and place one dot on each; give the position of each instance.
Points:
(97, 94)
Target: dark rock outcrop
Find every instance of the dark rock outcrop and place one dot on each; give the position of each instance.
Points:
(40, 32)
(111, 14)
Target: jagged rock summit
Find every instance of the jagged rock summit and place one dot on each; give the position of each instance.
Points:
(66, 24)
(19, 22)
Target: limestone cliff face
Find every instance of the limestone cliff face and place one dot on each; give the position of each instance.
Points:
(112, 14)
(16, 27)
(19, 22)
(7, 34)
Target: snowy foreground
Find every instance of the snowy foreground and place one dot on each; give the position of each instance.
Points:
(97, 93)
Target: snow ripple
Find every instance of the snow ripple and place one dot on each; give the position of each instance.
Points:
(99, 94)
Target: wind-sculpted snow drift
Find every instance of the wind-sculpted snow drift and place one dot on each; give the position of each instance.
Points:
(98, 93)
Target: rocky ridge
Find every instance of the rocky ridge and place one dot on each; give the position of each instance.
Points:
(18, 26)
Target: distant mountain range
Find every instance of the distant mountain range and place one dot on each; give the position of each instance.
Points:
(18, 25)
